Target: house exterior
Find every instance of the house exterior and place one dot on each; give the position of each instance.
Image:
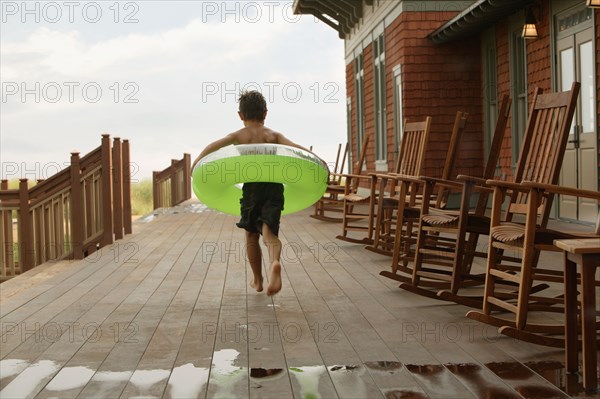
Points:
(411, 59)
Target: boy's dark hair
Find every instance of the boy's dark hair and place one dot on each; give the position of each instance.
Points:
(252, 106)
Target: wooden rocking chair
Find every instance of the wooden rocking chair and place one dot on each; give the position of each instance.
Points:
(541, 239)
(410, 162)
(406, 187)
(333, 198)
(542, 155)
(442, 236)
(335, 181)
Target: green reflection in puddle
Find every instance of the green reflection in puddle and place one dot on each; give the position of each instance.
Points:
(308, 378)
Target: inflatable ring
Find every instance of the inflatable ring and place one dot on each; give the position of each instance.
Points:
(217, 176)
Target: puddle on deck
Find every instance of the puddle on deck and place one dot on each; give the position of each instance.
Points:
(29, 379)
(403, 394)
(473, 377)
(225, 374)
(348, 380)
(70, 378)
(229, 379)
(386, 366)
(187, 381)
(189, 208)
(523, 377)
(260, 373)
(10, 367)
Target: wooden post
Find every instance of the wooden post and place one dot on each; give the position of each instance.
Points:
(107, 223)
(77, 219)
(25, 230)
(7, 261)
(155, 199)
(117, 189)
(126, 188)
(174, 184)
(187, 175)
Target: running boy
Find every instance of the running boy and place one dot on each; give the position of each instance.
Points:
(261, 203)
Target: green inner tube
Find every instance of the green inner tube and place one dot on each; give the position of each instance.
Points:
(218, 176)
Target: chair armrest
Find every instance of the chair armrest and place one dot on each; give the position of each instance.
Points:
(471, 179)
(479, 184)
(441, 182)
(555, 189)
(351, 176)
(507, 184)
(405, 178)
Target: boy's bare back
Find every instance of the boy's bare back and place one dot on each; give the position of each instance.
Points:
(259, 134)
(256, 135)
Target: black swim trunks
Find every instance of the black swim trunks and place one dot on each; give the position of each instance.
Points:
(261, 203)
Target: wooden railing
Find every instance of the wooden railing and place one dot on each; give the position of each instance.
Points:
(173, 185)
(69, 215)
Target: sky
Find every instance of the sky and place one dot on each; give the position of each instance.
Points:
(164, 74)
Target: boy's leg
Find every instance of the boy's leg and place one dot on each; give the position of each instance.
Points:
(274, 245)
(255, 259)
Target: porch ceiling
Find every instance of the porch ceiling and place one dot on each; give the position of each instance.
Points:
(482, 14)
(341, 15)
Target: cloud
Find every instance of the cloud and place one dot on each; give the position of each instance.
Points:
(169, 68)
(66, 53)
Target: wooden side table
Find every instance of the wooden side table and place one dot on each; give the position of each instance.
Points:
(586, 254)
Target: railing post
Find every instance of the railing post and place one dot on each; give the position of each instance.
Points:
(126, 188)
(77, 218)
(25, 230)
(187, 175)
(155, 199)
(7, 252)
(107, 223)
(174, 183)
(117, 189)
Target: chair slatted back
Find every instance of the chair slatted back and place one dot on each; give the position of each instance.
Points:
(412, 147)
(358, 165)
(460, 122)
(495, 147)
(544, 145)
(341, 170)
(335, 178)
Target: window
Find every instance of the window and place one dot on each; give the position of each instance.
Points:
(518, 83)
(349, 128)
(380, 99)
(398, 116)
(490, 87)
(359, 87)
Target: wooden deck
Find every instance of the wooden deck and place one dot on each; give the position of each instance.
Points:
(168, 312)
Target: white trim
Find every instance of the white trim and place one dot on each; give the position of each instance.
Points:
(383, 15)
(398, 108)
(362, 33)
(381, 166)
(378, 30)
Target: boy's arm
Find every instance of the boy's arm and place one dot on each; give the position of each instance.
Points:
(281, 139)
(215, 145)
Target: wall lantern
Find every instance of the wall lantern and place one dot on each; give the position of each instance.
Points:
(530, 29)
(593, 3)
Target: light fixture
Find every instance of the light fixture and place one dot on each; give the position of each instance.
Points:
(593, 3)
(530, 29)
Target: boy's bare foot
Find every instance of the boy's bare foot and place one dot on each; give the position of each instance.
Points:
(274, 279)
(257, 284)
